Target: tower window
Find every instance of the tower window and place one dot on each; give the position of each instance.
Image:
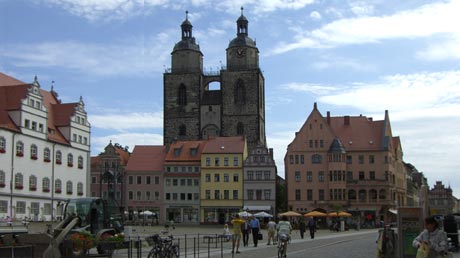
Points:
(240, 129)
(182, 96)
(240, 93)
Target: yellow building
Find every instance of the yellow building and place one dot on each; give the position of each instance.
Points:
(222, 178)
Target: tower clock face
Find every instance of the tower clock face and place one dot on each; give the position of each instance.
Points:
(240, 52)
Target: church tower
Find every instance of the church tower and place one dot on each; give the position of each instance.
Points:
(243, 86)
(192, 111)
(182, 89)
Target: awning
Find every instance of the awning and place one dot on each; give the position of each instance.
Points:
(393, 211)
(257, 208)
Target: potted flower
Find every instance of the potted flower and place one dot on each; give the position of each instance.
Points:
(81, 242)
(109, 242)
(34, 157)
(19, 154)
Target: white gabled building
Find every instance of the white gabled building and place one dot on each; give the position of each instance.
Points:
(44, 151)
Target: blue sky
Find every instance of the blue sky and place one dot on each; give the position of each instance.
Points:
(351, 57)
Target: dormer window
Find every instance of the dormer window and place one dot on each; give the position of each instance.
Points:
(176, 152)
(193, 151)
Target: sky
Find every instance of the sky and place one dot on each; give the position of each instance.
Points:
(350, 57)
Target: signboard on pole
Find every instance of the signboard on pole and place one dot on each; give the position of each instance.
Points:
(410, 224)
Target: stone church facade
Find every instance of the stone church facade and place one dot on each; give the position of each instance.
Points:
(193, 111)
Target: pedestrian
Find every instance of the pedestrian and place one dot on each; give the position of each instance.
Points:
(246, 229)
(226, 233)
(302, 227)
(271, 227)
(236, 237)
(255, 228)
(433, 237)
(312, 227)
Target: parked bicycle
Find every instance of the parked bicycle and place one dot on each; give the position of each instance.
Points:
(163, 247)
(283, 240)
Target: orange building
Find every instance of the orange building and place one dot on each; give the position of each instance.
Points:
(348, 163)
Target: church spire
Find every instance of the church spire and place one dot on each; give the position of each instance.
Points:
(242, 24)
(186, 28)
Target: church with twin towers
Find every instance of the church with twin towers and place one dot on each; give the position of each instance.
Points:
(193, 111)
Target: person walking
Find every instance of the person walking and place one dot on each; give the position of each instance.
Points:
(271, 227)
(255, 228)
(302, 227)
(432, 236)
(245, 228)
(312, 227)
(236, 237)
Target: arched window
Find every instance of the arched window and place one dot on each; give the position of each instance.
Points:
(46, 155)
(46, 184)
(240, 93)
(58, 157)
(57, 186)
(2, 145)
(32, 183)
(19, 149)
(351, 194)
(316, 159)
(18, 181)
(69, 160)
(2, 178)
(80, 188)
(182, 130)
(69, 187)
(33, 151)
(80, 162)
(373, 195)
(240, 128)
(182, 95)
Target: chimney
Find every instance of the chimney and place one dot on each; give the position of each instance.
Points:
(346, 120)
(370, 119)
(328, 118)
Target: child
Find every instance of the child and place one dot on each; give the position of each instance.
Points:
(227, 232)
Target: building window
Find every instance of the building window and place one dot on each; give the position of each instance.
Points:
(18, 181)
(216, 162)
(309, 195)
(80, 188)
(2, 145)
(371, 159)
(349, 159)
(309, 176)
(267, 175)
(297, 194)
(361, 159)
(208, 194)
(2, 178)
(130, 180)
(58, 157)
(216, 194)
(69, 187)
(32, 183)
(321, 176)
(207, 178)
(130, 195)
(46, 155)
(226, 194)
(182, 96)
(250, 175)
(138, 196)
(139, 180)
(235, 177)
(175, 182)
(259, 175)
(216, 178)
(70, 160)
(57, 186)
(321, 195)
(235, 194)
(46, 185)
(80, 162)
(316, 159)
(147, 196)
(20, 207)
(296, 159)
(291, 159)
(208, 161)
(19, 149)
(157, 180)
(147, 180)
(240, 129)
(3, 206)
(302, 159)
(226, 178)
(235, 161)
(349, 176)
(267, 194)
(372, 175)
(250, 194)
(297, 176)
(361, 175)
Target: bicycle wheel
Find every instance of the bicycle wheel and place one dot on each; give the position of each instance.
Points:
(153, 253)
(175, 251)
(281, 251)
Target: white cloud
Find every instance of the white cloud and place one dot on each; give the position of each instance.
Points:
(129, 121)
(360, 8)
(125, 58)
(309, 88)
(428, 20)
(316, 16)
(98, 143)
(442, 50)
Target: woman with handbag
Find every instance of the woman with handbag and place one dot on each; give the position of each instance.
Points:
(432, 242)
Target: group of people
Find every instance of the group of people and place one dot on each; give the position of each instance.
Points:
(242, 228)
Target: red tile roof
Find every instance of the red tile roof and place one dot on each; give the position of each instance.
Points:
(185, 153)
(235, 144)
(146, 158)
(13, 91)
